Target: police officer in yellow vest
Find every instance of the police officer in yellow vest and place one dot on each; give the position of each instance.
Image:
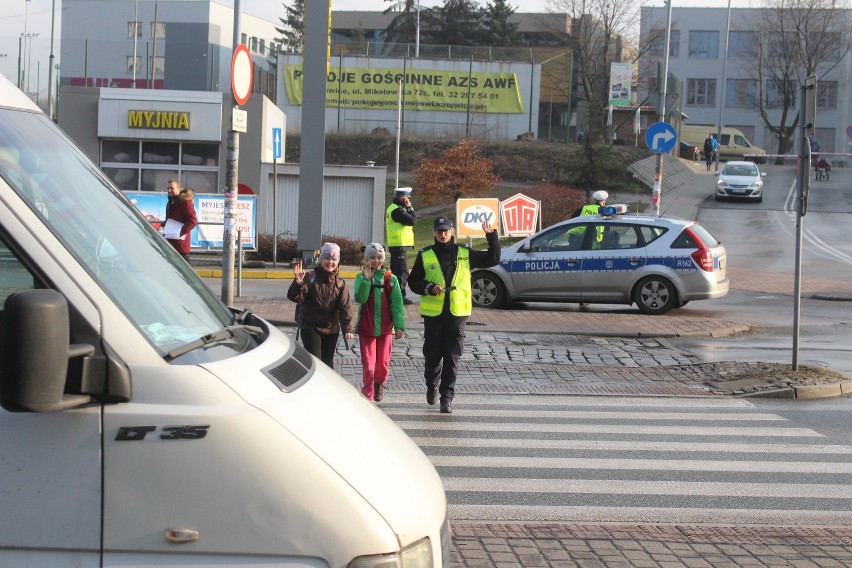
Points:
(441, 275)
(599, 198)
(399, 226)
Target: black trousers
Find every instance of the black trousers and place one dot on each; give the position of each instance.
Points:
(399, 266)
(443, 343)
(319, 345)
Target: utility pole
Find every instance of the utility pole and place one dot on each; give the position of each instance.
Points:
(658, 171)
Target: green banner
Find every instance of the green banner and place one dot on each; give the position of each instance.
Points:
(423, 89)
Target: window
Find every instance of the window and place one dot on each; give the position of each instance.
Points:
(650, 234)
(158, 31)
(147, 166)
(748, 132)
(262, 49)
(134, 64)
(253, 46)
(704, 44)
(243, 39)
(826, 94)
(134, 29)
(742, 45)
(826, 45)
(741, 93)
(781, 45)
(562, 238)
(159, 63)
(658, 43)
(14, 277)
(701, 92)
(780, 94)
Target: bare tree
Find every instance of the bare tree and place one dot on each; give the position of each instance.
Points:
(598, 36)
(793, 39)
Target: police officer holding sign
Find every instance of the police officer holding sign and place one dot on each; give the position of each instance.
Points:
(441, 276)
(399, 225)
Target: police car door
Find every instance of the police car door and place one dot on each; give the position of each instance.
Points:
(613, 253)
(548, 265)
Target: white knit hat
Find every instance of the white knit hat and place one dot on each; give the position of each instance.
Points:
(374, 250)
(330, 250)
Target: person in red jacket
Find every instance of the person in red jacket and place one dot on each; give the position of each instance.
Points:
(181, 209)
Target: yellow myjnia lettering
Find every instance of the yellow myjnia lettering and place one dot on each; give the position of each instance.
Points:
(158, 119)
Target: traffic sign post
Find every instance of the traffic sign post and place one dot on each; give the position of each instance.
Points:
(241, 82)
(276, 155)
(660, 139)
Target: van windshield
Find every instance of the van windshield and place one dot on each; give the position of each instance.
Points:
(147, 279)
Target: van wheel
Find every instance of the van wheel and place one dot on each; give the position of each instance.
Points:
(488, 291)
(655, 295)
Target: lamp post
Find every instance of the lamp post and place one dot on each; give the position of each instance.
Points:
(724, 90)
(136, 27)
(51, 70)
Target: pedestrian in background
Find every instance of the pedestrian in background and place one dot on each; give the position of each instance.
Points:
(180, 209)
(441, 275)
(381, 319)
(714, 143)
(325, 308)
(399, 225)
(708, 150)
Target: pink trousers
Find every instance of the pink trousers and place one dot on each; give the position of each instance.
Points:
(375, 357)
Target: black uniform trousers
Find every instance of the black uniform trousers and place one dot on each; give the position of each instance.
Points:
(443, 342)
(399, 266)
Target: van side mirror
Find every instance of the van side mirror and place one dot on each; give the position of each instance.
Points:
(34, 352)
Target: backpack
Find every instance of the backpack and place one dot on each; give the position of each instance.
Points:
(312, 276)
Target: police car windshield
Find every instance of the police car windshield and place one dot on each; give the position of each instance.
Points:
(145, 277)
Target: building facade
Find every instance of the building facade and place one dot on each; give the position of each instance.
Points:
(169, 44)
(699, 60)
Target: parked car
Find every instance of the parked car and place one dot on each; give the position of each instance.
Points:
(689, 151)
(740, 180)
(658, 263)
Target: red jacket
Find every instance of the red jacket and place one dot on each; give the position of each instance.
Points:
(181, 209)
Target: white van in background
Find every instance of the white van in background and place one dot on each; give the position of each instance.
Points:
(144, 423)
(733, 144)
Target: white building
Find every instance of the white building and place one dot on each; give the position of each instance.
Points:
(697, 58)
(187, 44)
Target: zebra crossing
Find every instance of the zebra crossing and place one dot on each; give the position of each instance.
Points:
(601, 459)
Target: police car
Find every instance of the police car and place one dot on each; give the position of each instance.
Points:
(658, 263)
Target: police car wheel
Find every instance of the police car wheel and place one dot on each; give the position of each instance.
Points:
(488, 291)
(655, 295)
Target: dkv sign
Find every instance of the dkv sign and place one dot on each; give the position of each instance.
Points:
(516, 216)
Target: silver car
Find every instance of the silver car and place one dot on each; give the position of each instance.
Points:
(658, 263)
(740, 180)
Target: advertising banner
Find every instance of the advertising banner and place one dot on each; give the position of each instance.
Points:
(423, 89)
(620, 84)
(520, 215)
(210, 211)
(471, 213)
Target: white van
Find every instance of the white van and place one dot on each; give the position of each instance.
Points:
(144, 423)
(733, 144)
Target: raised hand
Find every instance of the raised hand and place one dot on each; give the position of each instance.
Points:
(298, 272)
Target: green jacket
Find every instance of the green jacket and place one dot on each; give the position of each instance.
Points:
(373, 322)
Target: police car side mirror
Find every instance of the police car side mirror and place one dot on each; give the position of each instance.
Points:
(526, 247)
(716, 173)
(763, 174)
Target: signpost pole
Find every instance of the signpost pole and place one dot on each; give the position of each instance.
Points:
(240, 89)
(657, 192)
(274, 212)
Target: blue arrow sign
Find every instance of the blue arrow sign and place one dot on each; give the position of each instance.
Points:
(276, 143)
(660, 137)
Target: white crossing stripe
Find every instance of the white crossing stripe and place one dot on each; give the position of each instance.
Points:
(605, 459)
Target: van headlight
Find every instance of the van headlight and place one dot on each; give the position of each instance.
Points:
(417, 555)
